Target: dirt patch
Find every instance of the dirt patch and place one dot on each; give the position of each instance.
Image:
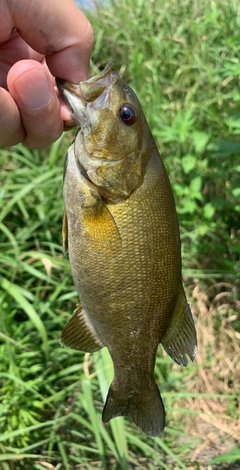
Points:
(216, 414)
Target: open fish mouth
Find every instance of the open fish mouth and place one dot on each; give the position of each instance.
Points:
(93, 90)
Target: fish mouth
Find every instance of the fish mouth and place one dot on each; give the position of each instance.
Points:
(94, 90)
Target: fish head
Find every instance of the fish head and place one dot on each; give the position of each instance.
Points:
(112, 143)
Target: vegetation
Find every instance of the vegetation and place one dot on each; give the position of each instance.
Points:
(182, 59)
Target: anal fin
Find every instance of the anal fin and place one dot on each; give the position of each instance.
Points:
(79, 333)
(180, 338)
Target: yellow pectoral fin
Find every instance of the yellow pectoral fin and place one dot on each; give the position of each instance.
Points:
(180, 338)
(65, 231)
(101, 227)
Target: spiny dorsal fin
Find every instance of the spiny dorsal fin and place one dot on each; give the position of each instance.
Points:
(180, 338)
(79, 333)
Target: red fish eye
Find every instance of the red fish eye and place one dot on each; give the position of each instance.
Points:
(128, 114)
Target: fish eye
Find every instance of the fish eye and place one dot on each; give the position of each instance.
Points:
(128, 114)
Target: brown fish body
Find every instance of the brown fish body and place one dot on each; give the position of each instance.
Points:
(124, 250)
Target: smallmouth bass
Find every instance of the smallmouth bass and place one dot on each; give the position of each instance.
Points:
(121, 230)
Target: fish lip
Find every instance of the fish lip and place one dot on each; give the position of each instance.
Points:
(103, 79)
(65, 88)
(93, 91)
(104, 73)
(95, 87)
(71, 93)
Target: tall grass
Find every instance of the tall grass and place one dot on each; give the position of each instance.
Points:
(181, 57)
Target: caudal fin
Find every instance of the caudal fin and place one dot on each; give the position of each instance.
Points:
(145, 409)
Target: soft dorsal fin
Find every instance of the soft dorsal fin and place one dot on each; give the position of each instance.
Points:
(180, 338)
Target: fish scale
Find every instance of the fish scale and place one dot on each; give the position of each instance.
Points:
(121, 229)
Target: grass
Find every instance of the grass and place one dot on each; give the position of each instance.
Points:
(182, 58)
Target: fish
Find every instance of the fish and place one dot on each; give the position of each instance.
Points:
(122, 234)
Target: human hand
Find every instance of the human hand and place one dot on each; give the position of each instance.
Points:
(39, 40)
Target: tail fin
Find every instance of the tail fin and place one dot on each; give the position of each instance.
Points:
(145, 409)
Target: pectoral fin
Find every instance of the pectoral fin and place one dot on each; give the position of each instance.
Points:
(79, 333)
(180, 338)
(101, 227)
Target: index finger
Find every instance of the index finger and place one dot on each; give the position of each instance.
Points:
(58, 30)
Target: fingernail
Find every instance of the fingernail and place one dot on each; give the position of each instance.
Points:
(35, 94)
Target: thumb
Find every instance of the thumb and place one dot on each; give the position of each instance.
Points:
(32, 88)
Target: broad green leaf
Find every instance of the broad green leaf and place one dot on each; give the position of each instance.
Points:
(196, 184)
(188, 163)
(208, 210)
(236, 192)
(200, 140)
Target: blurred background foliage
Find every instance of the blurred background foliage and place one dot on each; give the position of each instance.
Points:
(182, 59)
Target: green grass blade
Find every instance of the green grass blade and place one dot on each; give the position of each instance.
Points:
(54, 152)
(63, 455)
(15, 457)
(11, 238)
(9, 435)
(117, 425)
(15, 291)
(96, 424)
(169, 452)
(230, 457)
(25, 190)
